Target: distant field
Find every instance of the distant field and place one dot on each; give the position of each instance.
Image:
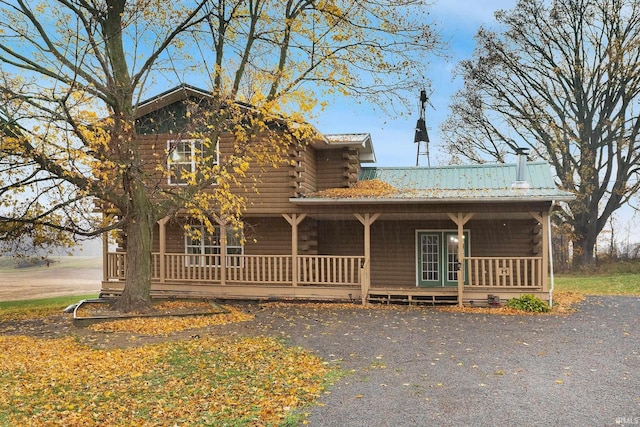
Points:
(65, 276)
(9, 263)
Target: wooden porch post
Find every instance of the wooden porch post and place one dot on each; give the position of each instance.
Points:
(105, 252)
(294, 220)
(365, 281)
(460, 219)
(223, 253)
(542, 218)
(162, 236)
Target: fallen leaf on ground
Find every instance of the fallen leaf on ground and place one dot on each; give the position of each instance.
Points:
(168, 325)
(211, 381)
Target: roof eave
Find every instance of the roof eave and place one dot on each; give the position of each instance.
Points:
(457, 200)
(163, 99)
(366, 151)
(184, 91)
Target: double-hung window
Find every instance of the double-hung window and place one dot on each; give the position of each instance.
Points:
(204, 248)
(185, 156)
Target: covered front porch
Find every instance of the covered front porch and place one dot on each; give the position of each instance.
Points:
(323, 278)
(334, 277)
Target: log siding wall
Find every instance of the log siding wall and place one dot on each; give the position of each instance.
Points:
(393, 243)
(268, 188)
(337, 168)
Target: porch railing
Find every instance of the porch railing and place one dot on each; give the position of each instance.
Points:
(329, 270)
(272, 269)
(505, 272)
(116, 265)
(489, 272)
(188, 268)
(247, 269)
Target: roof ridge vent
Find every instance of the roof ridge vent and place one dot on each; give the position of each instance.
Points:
(521, 169)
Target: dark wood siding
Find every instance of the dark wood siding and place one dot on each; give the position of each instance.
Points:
(271, 236)
(393, 243)
(153, 150)
(329, 170)
(309, 182)
(266, 188)
(505, 238)
(393, 253)
(271, 192)
(174, 231)
(392, 247)
(340, 238)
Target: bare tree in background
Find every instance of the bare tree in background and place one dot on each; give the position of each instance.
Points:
(563, 78)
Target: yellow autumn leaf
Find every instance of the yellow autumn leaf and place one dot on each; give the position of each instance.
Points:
(210, 381)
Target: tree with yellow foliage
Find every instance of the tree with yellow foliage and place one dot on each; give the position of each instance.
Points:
(72, 73)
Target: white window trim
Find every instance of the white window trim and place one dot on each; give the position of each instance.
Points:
(202, 255)
(171, 147)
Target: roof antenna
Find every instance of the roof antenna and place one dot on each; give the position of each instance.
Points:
(422, 138)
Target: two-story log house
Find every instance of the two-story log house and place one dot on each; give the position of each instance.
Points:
(440, 234)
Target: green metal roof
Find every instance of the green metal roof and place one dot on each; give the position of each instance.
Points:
(453, 184)
(468, 182)
(469, 177)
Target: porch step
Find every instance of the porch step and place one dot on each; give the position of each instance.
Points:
(404, 298)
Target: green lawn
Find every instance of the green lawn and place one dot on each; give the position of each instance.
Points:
(38, 307)
(599, 284)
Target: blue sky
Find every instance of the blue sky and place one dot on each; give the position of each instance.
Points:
(458, 22)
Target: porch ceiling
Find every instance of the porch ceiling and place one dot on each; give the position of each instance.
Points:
(399, 216)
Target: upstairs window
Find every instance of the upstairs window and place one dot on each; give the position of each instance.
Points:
(185, 156)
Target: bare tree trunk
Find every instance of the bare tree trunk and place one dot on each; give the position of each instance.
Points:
(561, 258)
(583, 247)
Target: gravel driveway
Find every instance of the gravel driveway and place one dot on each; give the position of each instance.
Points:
(424, 367)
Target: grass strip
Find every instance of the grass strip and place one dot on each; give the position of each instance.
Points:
(25, 309)
(603, 284)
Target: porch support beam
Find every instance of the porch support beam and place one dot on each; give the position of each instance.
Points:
(543, 219)
(460, 219)
(223, 252)
(105, 249)
(162, 236)
(294, 221)
(365, 281)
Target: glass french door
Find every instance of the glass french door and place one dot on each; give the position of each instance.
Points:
(438, 257)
